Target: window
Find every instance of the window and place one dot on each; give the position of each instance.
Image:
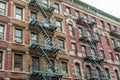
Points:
(117, 75)
(74, 48)
(85, 17)
(80, 32)
(1, 32)
(117, 57)
(77, 13)
(88, 72)
(19, 13)
(18, 62)
(111, 56)
(64, 67)
(89, 33)
(83, 50)
(93, 19)
(33, 15)
(45, 3)
(1, 59)
(102, 54)
(115, 27)
(46, 43)
(68, 10)
(35, 64)
(59, 26)
(102, 24)
(77, 70)
(34, 38)
(107, 40)
(109, 26)
(71, 31)
(97, 36)
(113, 43)
(2, 8)
(18, 36)
(93, 52)
(118, 42)
(61, 44)
(107, 73)
(56, 8)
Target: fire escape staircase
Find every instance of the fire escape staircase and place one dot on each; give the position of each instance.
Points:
(92, 42)
(38, 47)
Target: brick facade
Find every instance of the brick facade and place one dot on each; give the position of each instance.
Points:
(9, 48)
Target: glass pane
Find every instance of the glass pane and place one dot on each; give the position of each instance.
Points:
(18, 11)
(18, 33)
(33, 15)
(35, 61)
(1, 29)
(18, 17)
(34, 38)
(2, 5)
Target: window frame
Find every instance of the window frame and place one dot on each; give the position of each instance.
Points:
(16, 62)
(36, 65)
(4, 10)
(78, 72)
(65, 69)
(34, 13)
(59, 26)
(18, 37)
(2, 59)
(59, 44)
(80, 32)
(68, 10)
(71, 29)
(3, 32)
(57, 8)
(36, 35)
(77, 14)
(74, 48)
(21, 15)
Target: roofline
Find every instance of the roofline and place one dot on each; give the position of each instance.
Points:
(93, 10)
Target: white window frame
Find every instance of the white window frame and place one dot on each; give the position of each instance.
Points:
(4, 25)
(22, 12)
(6, 8)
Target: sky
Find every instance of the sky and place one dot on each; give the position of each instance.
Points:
(109, 6)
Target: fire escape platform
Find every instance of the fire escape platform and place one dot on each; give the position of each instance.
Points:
(46, 74)
(115, 33)
(91, 58)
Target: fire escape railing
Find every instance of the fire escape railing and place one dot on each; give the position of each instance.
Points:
(37, 46)
(92, 42)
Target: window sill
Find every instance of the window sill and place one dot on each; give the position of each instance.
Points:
(3, 41)
(18, 19)
(22, 44)
(23, 72)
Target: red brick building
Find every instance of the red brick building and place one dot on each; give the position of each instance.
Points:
(54, 39)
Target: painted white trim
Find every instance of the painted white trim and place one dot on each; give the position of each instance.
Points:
(5, 27)
(23, 17)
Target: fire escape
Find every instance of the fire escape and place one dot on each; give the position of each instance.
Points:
(42, 50)
(93, 58)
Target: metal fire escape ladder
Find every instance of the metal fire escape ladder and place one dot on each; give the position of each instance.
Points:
(38, 47)
(92, 45)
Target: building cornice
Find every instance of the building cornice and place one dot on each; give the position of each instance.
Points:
(93, 10)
